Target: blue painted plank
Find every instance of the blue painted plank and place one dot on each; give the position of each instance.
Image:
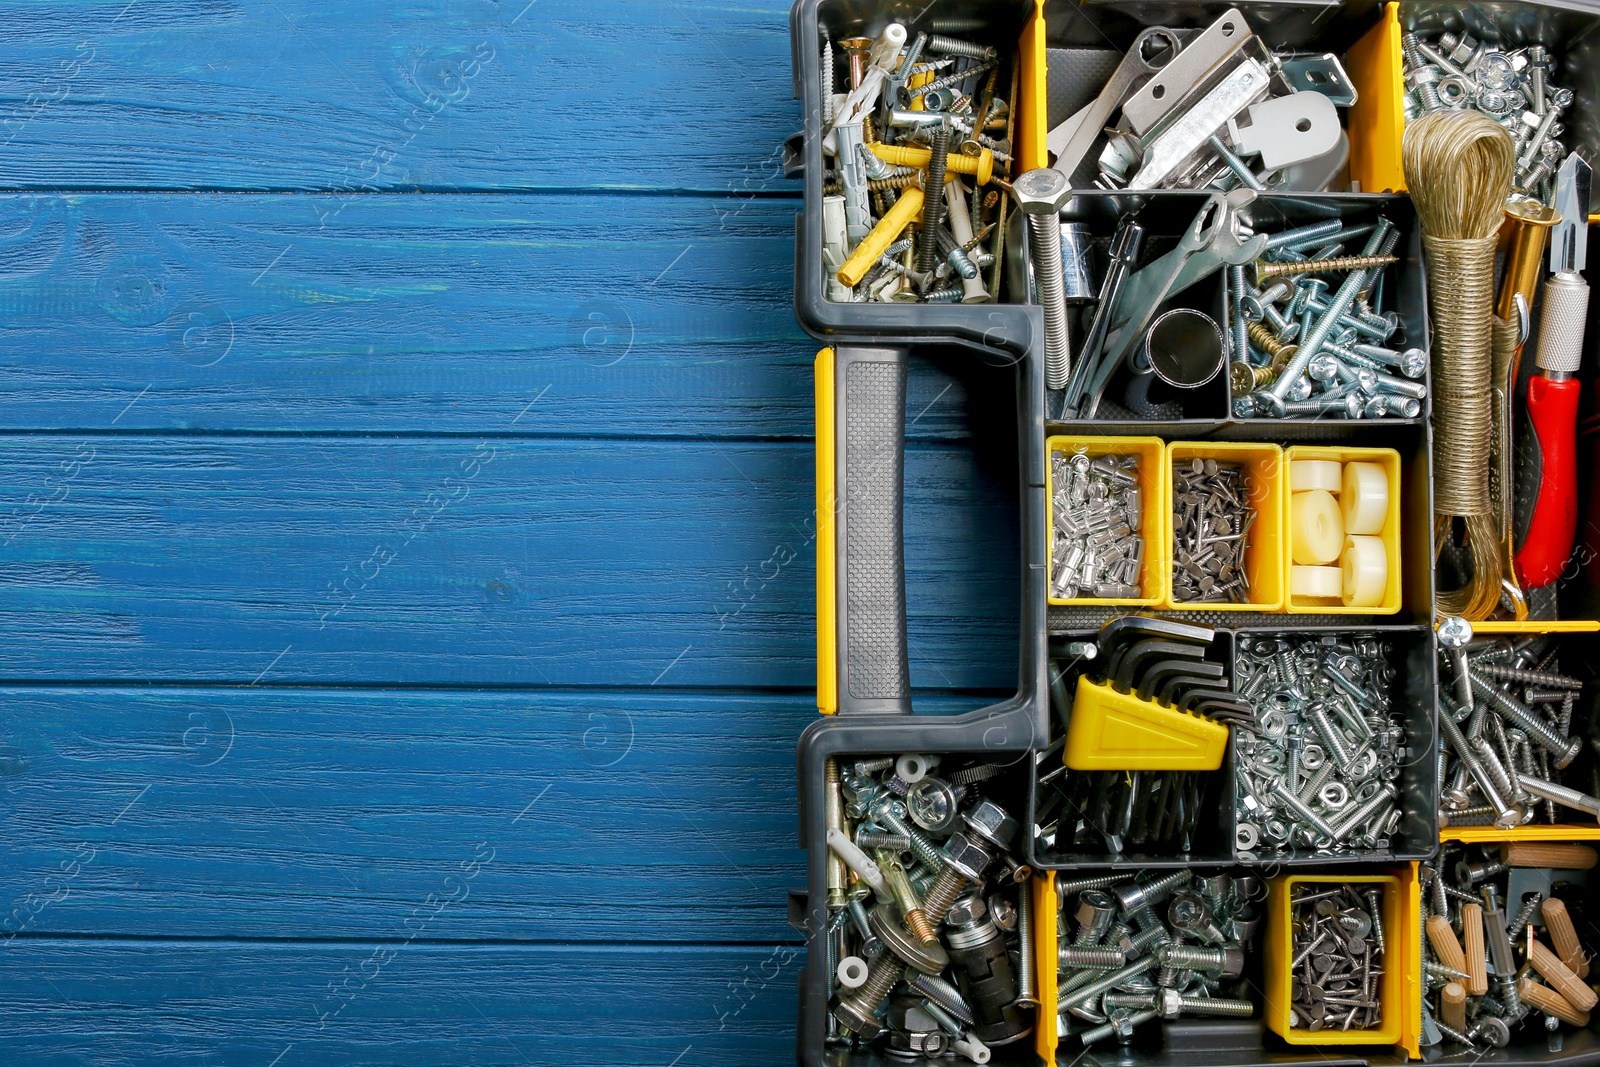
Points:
(296, 813)
(396, 1004)
(467, 561)
(410, 314)
(365, 94)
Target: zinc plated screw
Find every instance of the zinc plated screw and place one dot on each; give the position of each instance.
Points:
(952, 46)
(1122, 1026)
(1561, 794)
(1238, 166)
(1381, 243)
(1565, 749)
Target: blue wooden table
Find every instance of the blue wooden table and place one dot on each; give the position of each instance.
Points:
(406, 534)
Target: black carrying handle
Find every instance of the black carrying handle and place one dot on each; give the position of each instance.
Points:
(862, 486)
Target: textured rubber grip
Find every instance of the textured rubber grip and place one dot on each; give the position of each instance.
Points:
(1553, 413)
(869, 457)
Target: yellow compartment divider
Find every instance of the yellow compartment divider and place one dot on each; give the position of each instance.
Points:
(1397, 997)
(1406, 936)
(1032, 116)
(1486, 835)
(1377, 120)
(1112, 731)
(1046, 908)
(827, 587)
(1534, 626)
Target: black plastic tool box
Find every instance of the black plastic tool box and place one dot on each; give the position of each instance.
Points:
(1063, 52)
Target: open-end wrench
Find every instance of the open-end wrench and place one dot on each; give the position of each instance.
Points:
(1072, 140)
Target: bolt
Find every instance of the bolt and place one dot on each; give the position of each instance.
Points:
(933, 205)
(1362, 815)
(1531, 152)
(1121, 1027)
(857, 1012)
(1508, 816)
(1090, 958)
(1381, 243)
(1174, 1004)
(1040, 194)
(1238, 166)
(1571, 798)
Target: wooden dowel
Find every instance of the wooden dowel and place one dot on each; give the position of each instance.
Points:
(1561, 978)
(1453, 1006)
(1557, 854)
(1550, 1002)
(1477, 967)
(1445, 945)
(1564, 937)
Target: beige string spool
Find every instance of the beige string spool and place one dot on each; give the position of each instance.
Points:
(1477, 957)
(1547, 1000)
(1458, 167)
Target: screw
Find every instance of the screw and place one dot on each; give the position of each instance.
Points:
(1238, 166)
(1565, 749)
(1265, 270)
(1122, 1026)
(951, 46)
(1571, 798)
(856, 48)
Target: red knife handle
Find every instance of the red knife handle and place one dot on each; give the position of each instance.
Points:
(1553, 412)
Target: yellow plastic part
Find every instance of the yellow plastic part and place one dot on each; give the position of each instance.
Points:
(1112, 731)
(1389, 460)
(1534, 626)
(980, 166)
(1484, 835)
(1032, 121)
(1406, 937)
(1397, 998)
(1266, 558)
(1046, 904)
(1152, 490)
(881, 236)
(1377, 120)
(827, 588)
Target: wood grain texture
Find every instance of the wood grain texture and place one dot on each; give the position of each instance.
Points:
(629, 816)
(413, 314)
(363, 95)
(466, 562)
(391, 1004)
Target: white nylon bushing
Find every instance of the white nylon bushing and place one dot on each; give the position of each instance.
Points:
(1316, 529)
(852, 972)
(1307, 474)
(1366, 571)
(912, 768)
(1365, 499)
(1314, 581)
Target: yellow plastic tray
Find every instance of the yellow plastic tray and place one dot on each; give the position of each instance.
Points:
(1395, 994)
(1266, 479)
(1112, 731)
(1152, 490)
(1389, 460)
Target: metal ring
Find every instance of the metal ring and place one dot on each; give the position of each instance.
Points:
(1312, 757)
(1334, 795)
(1246, 836)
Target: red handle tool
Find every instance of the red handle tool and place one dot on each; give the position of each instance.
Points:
(1553, 413)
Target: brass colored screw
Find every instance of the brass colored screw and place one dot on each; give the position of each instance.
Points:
(856, 48)
(878, 185)
(1269, 343)
(1265, 270)
(1247, 378)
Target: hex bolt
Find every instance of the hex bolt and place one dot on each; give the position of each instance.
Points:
(1110, 981)
(1565, 749)
(1385, 796)
(1571, 798)
(1531, 152)
(857, 1012)
(1121, 1027)
(1040, 195)
(1322, 826)
(964, 862)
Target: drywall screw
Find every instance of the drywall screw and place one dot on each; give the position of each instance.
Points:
(1565, 749)
(1267, 342)
(950, 80)
(1264, 269)
(1455, 1035)
(1066, 889)
(1524, 915)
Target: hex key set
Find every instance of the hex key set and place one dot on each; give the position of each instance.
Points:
(1306, 671)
